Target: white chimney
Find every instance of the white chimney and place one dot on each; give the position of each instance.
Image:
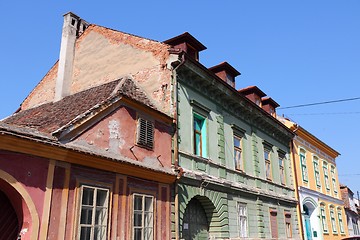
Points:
(73, 26)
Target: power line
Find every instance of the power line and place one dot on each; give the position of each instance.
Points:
(320, 103)
(312, 114)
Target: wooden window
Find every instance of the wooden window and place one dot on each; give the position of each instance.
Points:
(304, 172)
(333, 220)
(281, 168)
(145, 133)
(323, 218)
(143, 217)
(267, 163)
(273, 223)
(341, 223)
(326, 176)
(316, 172)
(288, 228)
(93, 217)
(199, 136)
(242, 219)
(238, 160)
(333, 179)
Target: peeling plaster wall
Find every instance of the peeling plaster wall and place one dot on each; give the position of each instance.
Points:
(103, 55)
(116, 134)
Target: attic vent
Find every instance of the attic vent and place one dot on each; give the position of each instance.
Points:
(145, 133)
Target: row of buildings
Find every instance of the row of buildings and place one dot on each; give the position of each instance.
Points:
(131, 138)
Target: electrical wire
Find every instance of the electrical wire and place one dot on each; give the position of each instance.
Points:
(314, 114)
(320, 103)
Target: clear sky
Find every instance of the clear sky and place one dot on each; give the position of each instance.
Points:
(297, 52)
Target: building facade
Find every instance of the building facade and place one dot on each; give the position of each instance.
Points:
(351, 209)
(318, 189)
(233, 155)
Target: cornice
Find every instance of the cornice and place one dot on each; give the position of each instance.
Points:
(197, 77)
(320, 195)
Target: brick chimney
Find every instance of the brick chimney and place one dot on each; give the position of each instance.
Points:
(226, 72)
(254, 94)
(73, 26)
(187, 43)
(269, 105)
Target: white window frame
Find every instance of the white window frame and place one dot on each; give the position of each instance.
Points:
(144, 214)
(303, 165)
(238, 158)
(340, 220)
(317, 171)
(323, 218)
(241, 209)
(282, 174)
(333, 219)
(94, 208)
(326, 175)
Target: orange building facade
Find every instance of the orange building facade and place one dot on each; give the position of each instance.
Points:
(317, 185)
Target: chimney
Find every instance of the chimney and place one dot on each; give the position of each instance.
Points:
(187, 43)
(269, 105)
(73, 26)
(226, 72)
(253, 93)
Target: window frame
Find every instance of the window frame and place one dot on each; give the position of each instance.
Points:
(324, 224)
(80, 195)
(340, 220)
(317, 171)
(288, 226)
(242, 232)
(326, 176)
(333, 219)
(303, 165)
(333, 179)
(133, 211)
(267, 160)
(203, 150)
(147, 139)
(282, 173)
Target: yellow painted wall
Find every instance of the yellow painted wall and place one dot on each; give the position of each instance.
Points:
(334, 234)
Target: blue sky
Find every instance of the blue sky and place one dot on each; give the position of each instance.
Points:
(297, 52)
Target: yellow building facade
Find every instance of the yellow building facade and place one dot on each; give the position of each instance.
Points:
(317, 186)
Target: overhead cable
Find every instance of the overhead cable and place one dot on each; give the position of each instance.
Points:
(320, 103)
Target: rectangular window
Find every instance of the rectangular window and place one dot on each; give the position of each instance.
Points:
(333, 179)
(333, 221)
(273, 223)
(200, 136)
(341, 224)
(239, 165)
(323, 219)
(143, 217)
(282, 169)
(145, 133)
(267, 163)
(355, 227)
(93, 213)
(303, 166)
(317, 173)
(242, 219)
(326, 176)
(288, 225)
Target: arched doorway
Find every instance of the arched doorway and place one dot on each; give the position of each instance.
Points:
(195, 225)
(9, 223)
(307, 214)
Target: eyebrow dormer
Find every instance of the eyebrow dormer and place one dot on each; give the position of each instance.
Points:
(187, 43)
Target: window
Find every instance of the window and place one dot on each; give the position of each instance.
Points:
(93, 213)
(323, 218)
(355, 226)
(242, 219)
(145, 133)
(288, 225)
(239, 164)
(199, 136)
(303, 165)
(326, 176)
(143, 219)
(273, 223)
(267, 150)
(316, 172)
(333, 179)
(341, 224)
(333, 221)
(281, 168)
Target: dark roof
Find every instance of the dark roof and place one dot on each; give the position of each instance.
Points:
(51, 116)
(227, 67)
(269, 100)
(188, 38)
(252, 89)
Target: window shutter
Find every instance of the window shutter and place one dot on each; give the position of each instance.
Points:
(145, 134)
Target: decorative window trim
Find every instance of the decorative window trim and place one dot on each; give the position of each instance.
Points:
(287, 219)
(239, 163)
(282, 173)
(203, 135)
(341, 221)
(333, 219)
(323, 218)
(199, 107)
(333, 178)
(79, 205)
(303, 167)
(326, 175)
(238, 130)
(145, 132)
(267, 162)
(317, 171)
(240, 218)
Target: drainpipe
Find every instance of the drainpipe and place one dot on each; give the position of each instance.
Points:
(176, 147)
(292, 150)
